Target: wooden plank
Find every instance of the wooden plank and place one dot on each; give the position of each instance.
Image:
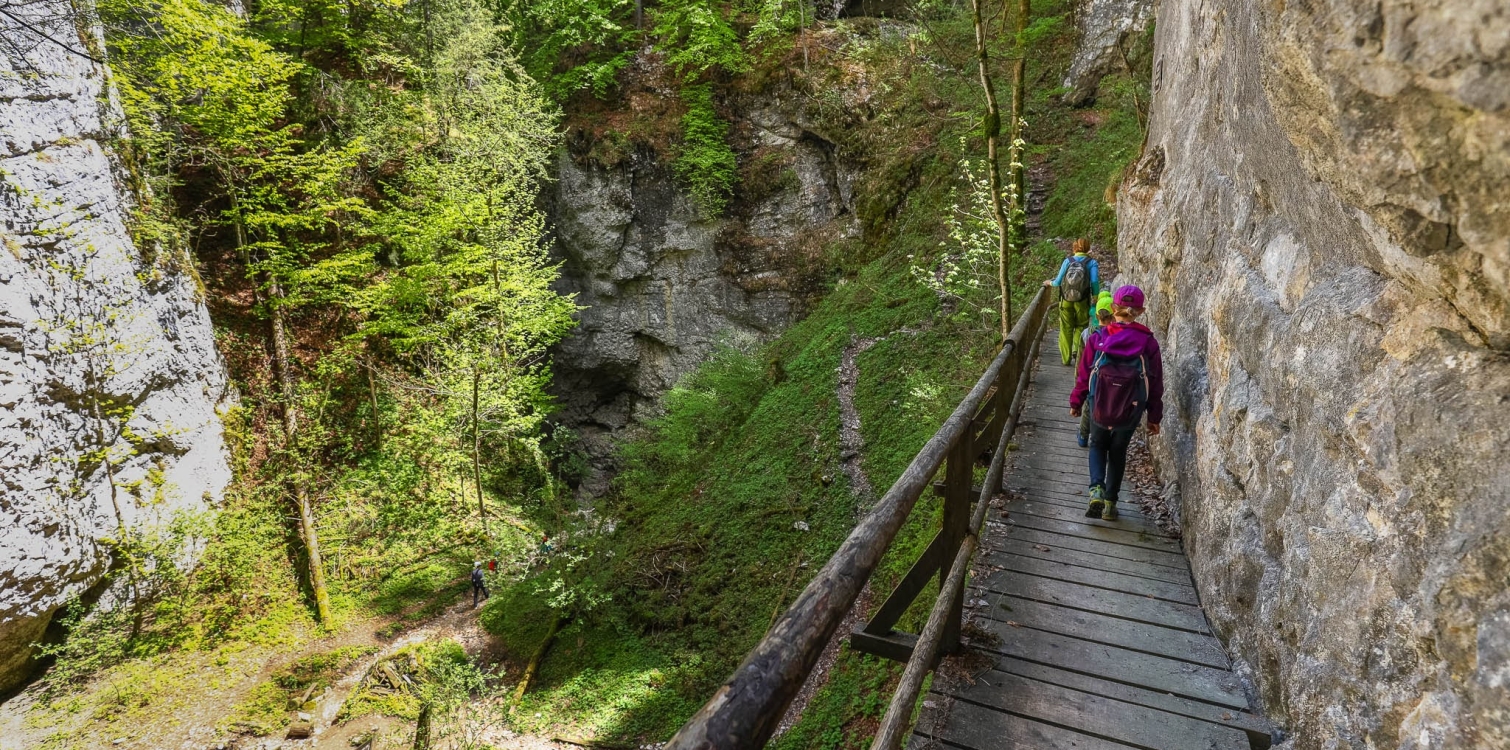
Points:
(1175, 570)
(1034, 450)
(1078, 475)
(1105, 574)
(1106, 533)
(1069, 499)
(977, 727)
(1018, 483)
(1079, 596)
(1128, 511)
(1075, 472)
(1099, 562)
(1258, 730)
(1122, 665)
(1079, 497)
(1062, 455)
(1076, 514)
(1055, 407)
(1077, 465)
(1138, 636)
(1096, 715)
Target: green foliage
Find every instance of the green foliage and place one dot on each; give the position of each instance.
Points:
(371, 172)
(705, 162)
(1088, 169)
(776, 20)
(149, 579)
(696, 37)
(967, 267)
(859, 689)
(572, 44)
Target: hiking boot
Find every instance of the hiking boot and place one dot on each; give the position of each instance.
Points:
(1098, 502)
(1109, 513)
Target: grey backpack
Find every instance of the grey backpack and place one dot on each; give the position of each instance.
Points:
(1077, 281)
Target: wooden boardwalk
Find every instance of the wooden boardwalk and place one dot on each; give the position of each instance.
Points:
(1099, 638)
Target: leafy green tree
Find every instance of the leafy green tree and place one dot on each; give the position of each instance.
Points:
(470, 304)
(696, 36)
(571, 44)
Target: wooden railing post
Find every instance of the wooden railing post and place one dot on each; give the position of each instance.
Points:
(959, 475)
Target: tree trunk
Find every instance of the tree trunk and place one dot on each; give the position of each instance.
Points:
(1019, 86)
(1018, 215)
(422, 728)
(281, 360)
(377, 421)
(993, 135)
(482, 514)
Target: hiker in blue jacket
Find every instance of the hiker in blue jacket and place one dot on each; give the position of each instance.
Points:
(1079, 283)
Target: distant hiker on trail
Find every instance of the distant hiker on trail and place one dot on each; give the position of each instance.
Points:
(1122, 377)
(479, 586)
(1103, 319)
(1079, 283)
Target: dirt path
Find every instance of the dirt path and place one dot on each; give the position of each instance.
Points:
(851, 458)
(851, 442)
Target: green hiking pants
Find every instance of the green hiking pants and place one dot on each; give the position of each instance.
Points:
(1073, 319)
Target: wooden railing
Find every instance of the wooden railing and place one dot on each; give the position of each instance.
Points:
(744, 712)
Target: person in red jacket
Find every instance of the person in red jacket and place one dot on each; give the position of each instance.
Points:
(1121, 379)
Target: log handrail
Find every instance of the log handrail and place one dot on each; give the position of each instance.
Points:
(746, 709)
(898, 716)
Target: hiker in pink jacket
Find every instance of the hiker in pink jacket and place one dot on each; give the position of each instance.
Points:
(1120, 378)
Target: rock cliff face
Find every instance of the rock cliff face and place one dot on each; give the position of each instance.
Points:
(663, 285)
(1320, 216)
(109, 377)
(1106, 29)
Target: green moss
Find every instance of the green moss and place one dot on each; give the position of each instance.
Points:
(843, 716)
(705, 162)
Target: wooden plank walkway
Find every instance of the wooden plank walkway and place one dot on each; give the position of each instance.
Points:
(1096, 637)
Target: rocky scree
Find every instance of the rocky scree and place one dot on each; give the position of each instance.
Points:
(109, 377)
(1319, 216)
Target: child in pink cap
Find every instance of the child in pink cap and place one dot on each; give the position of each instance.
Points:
(1121, 378)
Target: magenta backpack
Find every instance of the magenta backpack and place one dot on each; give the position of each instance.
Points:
(1119, 391)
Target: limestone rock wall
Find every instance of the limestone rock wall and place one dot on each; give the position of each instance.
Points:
(663, 285)
(1106, 30)
(109, 376)
(1320, 216)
